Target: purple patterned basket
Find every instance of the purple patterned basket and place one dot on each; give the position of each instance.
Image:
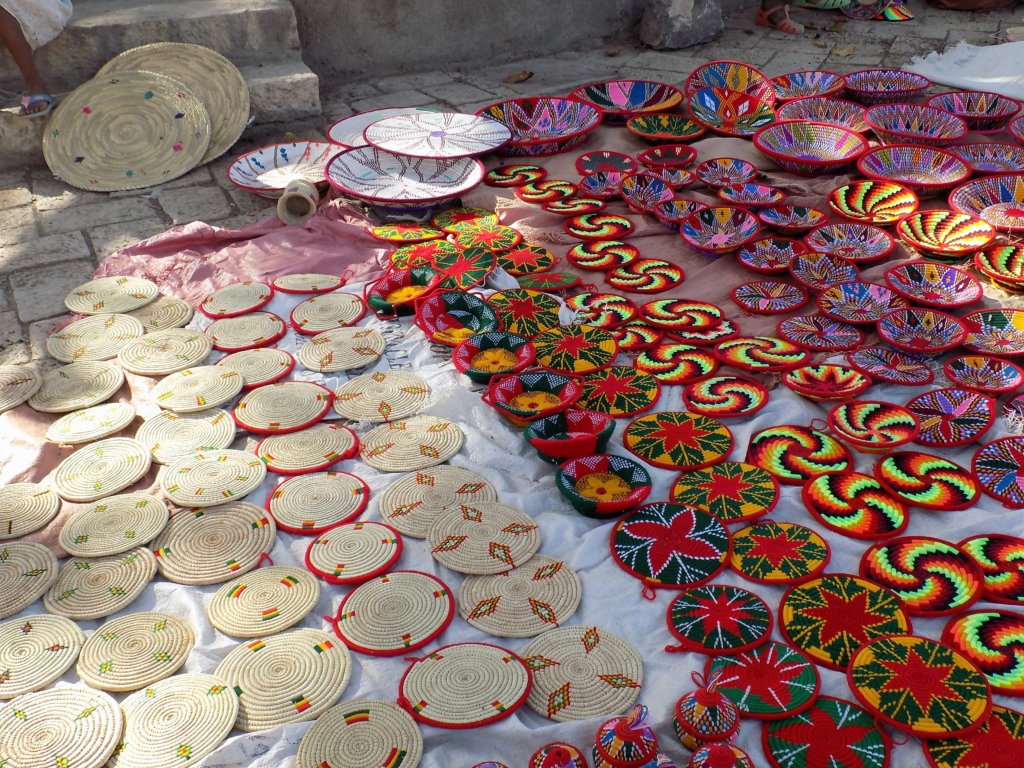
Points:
(985, 158)
(543, 125)
(810, 148)
(812, 83)
(852, 241)
(982, 111)
(671, 213)
(720, 230)
(915, 124)
(924, 170)
(885, 86)
(642, 191)
(819, 109)
(999, 200)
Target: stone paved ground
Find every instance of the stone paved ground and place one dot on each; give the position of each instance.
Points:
(52, 237)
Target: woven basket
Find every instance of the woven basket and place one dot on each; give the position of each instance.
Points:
(540, 594)
(310, 504)
(581, 673)
(163, 313)
(85, 726)
(361, 733)
(107, 295)
(308, 450)
(394, 613)
(99, 337)
(327, 312)
(27, 570)
(211, 478)
(197, 389)
(281, 408)
(101, 468)
(131, 130)
(17, 384)
(484, 538)
(381, 396)
(255, 329)
(307, 282)
(91, 423)
(464, 686)
(208, 546)
(114, 525)
(415, 443)
(214, 80)
(259, 366)
(263, 602)
(353, 553)
(36, 651)
(341, 350)
(134, 651)
(164, 352)
(236, 299)
(171, 436)
(91, 588)
(411, 503)
(175, 722)
(286, 678)
(75, 386)
(26, 507)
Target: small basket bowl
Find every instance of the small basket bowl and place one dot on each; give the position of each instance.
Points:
(621, 99)
(397, 292)
(730, 113)
(451, 317)
(527, 396)
(662, 128)
(885, 86)
(543, 125)
(915, 124)
(495, 353)
(803, 85)
(983, 112)
(817, 109)
(808, 148)
(603, 485)
(923, 170)
(722, 229)
(570, 433)
(792, 219)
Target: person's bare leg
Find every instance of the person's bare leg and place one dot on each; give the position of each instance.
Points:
(21, 52)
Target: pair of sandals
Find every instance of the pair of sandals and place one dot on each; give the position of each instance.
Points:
(30, 100)
(777, 17)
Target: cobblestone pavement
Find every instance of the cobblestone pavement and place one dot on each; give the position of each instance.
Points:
(52, 236)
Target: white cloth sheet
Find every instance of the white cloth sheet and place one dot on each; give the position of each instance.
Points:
(995, 68)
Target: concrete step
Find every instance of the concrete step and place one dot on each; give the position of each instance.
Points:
(246, 33)
(278, 93)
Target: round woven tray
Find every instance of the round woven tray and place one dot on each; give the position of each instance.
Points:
(286, 678)
(307, 282)
(26, 507)
(282, 408)
(17, 384)
(91, 423)
(349, 554)
(166, 312)
(394, 613)
(101, 468)
(75, 386)
(170, 436)
(175, 722)
(214, 80)
(381, 396)
(308, 450)
(540, 594)
(36, 651)
(236, 299)
(212, 477)
(410, 444)
(341, 349)
(99, 337)
(26, 571)
(75, 725)
(582, 672)
(263, 602)
(129, 130)
(208, 546)
(255, 329)
(411, 503)
(259, 366)
(134, 651)
(310, 504)
(197, 389)
(484, 538)
(327, 312)
(163, 352)
(114, 525)
(464, 686)
(91, 588)
(107, 295)
(361, 733)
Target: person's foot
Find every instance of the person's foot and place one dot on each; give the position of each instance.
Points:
(36, 104)
(777, 17)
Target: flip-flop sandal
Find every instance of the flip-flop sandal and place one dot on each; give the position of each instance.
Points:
(28, 101)
(783, 24)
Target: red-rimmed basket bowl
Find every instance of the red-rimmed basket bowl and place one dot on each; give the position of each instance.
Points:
(451, 317)
(807, 84)
(603, 485)
(671, 213)
(851, 240)
(642, 191)
(946, 233)
(923, 170)
(915, 124)
(816, 109)
(983, 112)
(730, 113)
(823, 383)
(397, 292)
(792, 219)
(770, 255)
(721, 229)
(873, 426)
(570, 433)
(999, 200)
(734, 75)
(924, 331)
(668, 156)
(723, 171)
(885, 86)
(662, 128)
(990, 157)
(752, 195)
(527, 396)
(622, 99)
(881, 203)
(543, 125)
(497, 353)
(809, 148)
(933, 284)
